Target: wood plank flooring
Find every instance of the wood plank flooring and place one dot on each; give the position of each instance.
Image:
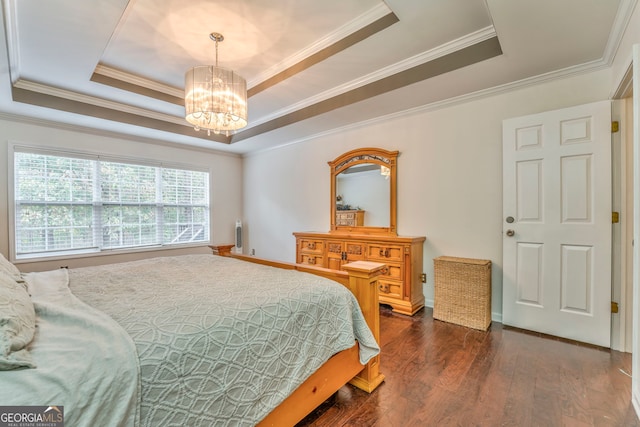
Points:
(440, 374)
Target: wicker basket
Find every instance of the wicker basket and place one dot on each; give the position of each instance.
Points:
(462, 291)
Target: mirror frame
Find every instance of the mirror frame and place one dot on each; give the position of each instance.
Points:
(365, 155)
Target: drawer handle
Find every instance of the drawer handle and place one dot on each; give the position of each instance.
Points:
(384, 253)
(311, 245)
(311, 261)
(383, 287)
(385, 271)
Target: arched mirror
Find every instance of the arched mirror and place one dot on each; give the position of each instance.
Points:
(363, 191)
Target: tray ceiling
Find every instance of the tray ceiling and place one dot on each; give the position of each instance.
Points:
(312, 67)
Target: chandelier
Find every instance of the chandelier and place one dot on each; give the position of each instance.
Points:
(215, 98)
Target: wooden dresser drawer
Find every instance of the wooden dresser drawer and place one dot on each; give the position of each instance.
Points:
(389, 288)
(355, 250)
(311, 246)
(393, 271)
(340, 252)
(350, 218)
(384, 252)
(345, 215)
(311, 259)
(335, 248)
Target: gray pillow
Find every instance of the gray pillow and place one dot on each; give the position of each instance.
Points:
(17, 324)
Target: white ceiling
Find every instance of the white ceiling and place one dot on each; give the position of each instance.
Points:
(312, 66)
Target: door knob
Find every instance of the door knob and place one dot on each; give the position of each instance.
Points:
(510, 233)
(510, 219)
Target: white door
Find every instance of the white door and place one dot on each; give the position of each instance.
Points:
(557, 223)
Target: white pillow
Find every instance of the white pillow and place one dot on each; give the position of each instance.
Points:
(17, 324)
(8, 267)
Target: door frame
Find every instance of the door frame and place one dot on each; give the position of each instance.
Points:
(621, 245)
(623, 332)
(628, 85)
(635, 382)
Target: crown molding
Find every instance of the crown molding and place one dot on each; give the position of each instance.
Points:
(620, 24)
(625, 85)
(484, 50)
(450, 102)
(421, 58)
(316, 58)
(92, 100)
(356, 24)
(116, 74)
(36, 121)
(485, 93)
(11, 26)
(59, 99)
(564, 73)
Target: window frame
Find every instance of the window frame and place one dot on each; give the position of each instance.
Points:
(14, 148)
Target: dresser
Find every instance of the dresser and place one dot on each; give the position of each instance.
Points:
(399, 286)
(352, 218)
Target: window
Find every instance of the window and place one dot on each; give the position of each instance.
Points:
(88, 205)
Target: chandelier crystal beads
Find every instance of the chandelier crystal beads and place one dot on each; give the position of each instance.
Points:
(215, 97)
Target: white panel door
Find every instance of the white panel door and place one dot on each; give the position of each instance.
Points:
(557, 223)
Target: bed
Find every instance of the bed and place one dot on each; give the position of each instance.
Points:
(195, 340)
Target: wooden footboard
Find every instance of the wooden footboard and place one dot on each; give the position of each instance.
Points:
(361, 278)
(335, 373)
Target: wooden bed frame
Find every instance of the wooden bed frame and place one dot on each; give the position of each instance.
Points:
(344, 367)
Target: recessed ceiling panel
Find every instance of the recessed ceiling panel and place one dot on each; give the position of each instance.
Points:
(161, 39)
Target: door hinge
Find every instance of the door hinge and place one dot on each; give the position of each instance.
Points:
(615, 217)
(615, 126)
(614, 307)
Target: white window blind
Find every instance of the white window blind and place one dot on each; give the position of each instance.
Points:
(74, 204)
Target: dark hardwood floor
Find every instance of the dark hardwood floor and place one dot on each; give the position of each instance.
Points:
(440, 374)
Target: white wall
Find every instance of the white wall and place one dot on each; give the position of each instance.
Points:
(225, 170)
(449, 176)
